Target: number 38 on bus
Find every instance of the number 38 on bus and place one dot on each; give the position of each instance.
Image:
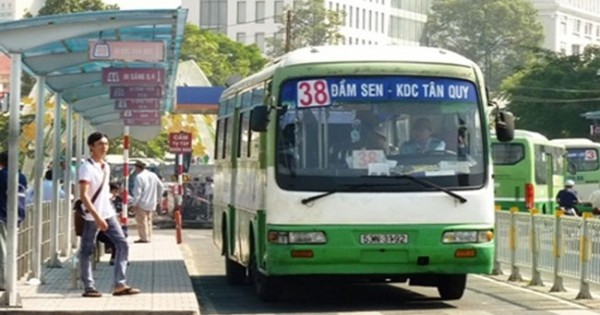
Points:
(365, 163)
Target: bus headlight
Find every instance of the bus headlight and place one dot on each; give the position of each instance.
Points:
(313, 237)
(451, 237)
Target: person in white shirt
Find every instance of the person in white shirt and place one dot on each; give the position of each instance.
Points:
(146, 190)
(47, 191)
(595, 201)
(100, 215)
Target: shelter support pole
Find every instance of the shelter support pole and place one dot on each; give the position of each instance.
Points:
(79, 138)
(11, 297)
(68, 187)
(55, 210)
(38, 213)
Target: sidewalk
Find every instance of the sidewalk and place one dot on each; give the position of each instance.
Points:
(157, 269)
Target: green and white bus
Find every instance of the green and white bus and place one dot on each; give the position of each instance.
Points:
(528, 172)
(302, 192)
(584, 166)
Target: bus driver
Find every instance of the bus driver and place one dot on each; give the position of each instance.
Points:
(422, 141)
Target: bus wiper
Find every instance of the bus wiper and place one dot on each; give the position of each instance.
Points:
(331, 192)
(426, 183)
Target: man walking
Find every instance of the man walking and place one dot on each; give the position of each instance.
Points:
(146, 191)
(100, 215)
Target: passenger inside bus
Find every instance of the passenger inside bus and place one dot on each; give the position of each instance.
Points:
(421, 140)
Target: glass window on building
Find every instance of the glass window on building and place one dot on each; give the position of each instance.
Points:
(259, 40)
(416, 6)
(241, 37)
(298, 4)
(407, 29)
(364, 18)
(575, 49)
(260, 12)
(588, 29)
(357, 18)
(350, 16)
(577, 27)
(382, 22)
(563, 48)
(349, 40)
(376, 22)
(370, 19)
(213, 15)
(241, 12)
(278, 11)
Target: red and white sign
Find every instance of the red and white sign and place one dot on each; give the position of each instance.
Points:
(133, 76)
(180, 142)
(126, 50)
(137, 114)
(123, 92)
(141, 121)
(313, 93)
(138, 104)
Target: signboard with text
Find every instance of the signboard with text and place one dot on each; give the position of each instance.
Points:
(138, 104)
(141, 121)
(133, 76)
(128, 92)
(180, 142)
(137, 114)
(126, 50)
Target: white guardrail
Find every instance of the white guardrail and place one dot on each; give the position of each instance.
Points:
(565, 246)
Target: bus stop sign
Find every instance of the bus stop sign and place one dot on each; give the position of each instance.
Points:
(180, 142)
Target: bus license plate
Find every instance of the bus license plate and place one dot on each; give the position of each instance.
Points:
(384, 238)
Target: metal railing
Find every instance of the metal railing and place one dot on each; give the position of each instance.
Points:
(26, 232)
(565, 246)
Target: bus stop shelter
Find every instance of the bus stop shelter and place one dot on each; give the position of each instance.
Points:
(54, 49)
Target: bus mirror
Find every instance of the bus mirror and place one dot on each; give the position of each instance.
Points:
(259, 118)
(505, 126)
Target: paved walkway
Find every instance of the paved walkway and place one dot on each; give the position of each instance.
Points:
(157, 269)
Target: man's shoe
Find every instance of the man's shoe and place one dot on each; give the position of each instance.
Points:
(141, 241)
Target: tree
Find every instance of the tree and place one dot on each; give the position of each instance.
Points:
(311, 25)
(499, 35)
(550, 94)
(219, 56)
(71, 6)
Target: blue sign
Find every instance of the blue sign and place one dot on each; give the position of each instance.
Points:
(326, 91)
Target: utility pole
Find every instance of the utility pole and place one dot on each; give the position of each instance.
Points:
(288, 31)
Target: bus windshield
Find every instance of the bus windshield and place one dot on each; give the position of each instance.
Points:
(584, 159)
(334, 132)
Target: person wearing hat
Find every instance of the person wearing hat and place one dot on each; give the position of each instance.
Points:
(146, 190)
(567, 198)
(421, 140)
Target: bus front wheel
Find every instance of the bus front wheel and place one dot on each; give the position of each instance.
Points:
(451, 287)
(267, 288)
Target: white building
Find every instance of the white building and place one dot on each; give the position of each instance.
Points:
(368, 22)
(16, 9)
(569, 25)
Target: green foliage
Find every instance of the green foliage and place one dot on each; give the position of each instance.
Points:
(71, 6)
(499, 35)
(155, 148)
(311, 25)
(218, 56)
(551, 93)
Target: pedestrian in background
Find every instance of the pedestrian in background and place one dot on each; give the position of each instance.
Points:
(100, 215)
(47, 191)
(146, 192)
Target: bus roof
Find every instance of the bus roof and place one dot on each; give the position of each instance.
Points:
(393, 53)
(576, 142)
(341, 54)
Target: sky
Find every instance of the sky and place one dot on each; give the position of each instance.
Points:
(145, 4)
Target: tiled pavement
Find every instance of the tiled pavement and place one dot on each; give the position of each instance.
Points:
(157, 269)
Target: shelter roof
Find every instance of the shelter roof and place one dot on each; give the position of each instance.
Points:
(56, 47)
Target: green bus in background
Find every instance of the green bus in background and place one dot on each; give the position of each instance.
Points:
(528, 172)
(584, 166)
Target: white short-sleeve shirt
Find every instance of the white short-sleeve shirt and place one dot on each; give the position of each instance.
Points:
(92, 172)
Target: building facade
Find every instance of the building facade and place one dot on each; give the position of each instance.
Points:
(569, 25)
(367, 22)
(16, 9)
